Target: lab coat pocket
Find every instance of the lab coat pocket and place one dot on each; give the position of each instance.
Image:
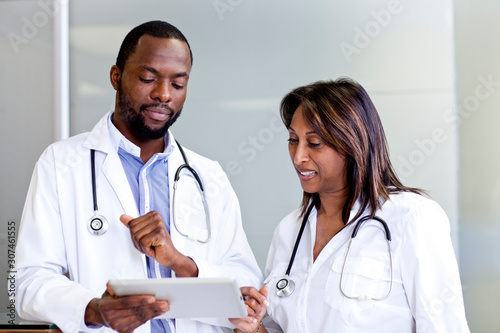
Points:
(362, 278)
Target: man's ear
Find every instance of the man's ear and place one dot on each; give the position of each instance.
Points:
(114, 76)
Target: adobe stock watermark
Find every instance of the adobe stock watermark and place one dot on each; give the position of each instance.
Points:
(30, 27)
(11, 271)
(372, 29)
(406, 166)
(450, 294)
(222, 7)
(250, 147)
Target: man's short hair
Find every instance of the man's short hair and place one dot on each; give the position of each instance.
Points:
(159, 29)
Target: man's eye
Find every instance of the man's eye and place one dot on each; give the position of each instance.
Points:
(177, 86)
(146, 80)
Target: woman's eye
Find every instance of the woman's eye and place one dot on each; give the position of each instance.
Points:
(292, 140)
(314, 144)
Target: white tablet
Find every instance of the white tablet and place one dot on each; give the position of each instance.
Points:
(189, 297)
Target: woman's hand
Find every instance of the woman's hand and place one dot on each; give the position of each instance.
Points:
(256, 303)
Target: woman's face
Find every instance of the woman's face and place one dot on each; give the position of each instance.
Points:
(321, 169)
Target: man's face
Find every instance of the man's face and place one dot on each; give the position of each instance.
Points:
(151, 88)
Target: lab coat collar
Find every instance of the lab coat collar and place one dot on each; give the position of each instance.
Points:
(357, 206)
(354, 210)
(99, 138)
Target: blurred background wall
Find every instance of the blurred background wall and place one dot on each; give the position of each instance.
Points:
(429, 66)
(478, 60)
(27, 125)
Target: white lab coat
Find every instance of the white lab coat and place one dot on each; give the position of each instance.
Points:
(426, 295)
(61, 266)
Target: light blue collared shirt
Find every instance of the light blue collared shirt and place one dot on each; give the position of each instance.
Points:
(149, 184)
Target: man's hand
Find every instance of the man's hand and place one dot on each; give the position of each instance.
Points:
(123, 314)
(150, 236)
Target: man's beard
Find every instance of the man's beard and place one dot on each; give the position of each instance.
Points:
(136, 121)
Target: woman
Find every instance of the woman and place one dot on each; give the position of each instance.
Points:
(339, 151)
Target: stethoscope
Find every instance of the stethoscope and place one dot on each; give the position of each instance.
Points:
(286, 286)
(98, 224)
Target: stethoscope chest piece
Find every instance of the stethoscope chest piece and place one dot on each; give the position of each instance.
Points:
(285, 287)
(98, 225)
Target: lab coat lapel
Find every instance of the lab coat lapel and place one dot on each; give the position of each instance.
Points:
(108, 161)
(113, 170)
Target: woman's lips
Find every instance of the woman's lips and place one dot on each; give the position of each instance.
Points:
(306, 174)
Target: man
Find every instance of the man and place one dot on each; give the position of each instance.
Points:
(67, 253)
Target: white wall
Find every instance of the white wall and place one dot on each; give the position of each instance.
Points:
(26, 110)
(478, 61)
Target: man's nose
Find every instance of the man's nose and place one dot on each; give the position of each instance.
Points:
(162, 92)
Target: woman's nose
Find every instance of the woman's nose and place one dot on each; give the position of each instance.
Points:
(299, 154)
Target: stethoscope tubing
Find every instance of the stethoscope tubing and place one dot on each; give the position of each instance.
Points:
(202, 194)
(98, 224)
(205, 208)
(388, 238)
(285, 286)
(297, 241)
(94, 191)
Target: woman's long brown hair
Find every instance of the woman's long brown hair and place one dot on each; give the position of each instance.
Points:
(343, 115)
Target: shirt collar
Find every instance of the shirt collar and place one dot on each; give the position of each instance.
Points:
(118, 140)
(354, 210)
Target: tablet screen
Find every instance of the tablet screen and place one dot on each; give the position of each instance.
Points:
(189, 297)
